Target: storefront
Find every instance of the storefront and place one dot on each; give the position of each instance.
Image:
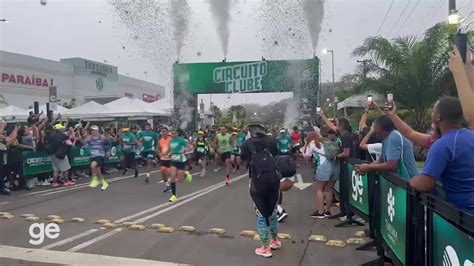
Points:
(25, 79)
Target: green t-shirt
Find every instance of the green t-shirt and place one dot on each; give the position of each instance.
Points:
(178, 147)
(224, 143)
(284, 144)
(238, 142)
(149, 140)
(128, 140)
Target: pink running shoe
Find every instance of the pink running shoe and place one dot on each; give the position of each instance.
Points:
(264, 252)
(227, 181)
(275, 244)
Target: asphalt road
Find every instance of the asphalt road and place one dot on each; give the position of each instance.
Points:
(205, 203)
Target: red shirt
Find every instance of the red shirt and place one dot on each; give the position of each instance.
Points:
(295, 137)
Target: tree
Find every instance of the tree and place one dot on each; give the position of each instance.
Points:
(216, 112)
(238, 111)
(416, 71)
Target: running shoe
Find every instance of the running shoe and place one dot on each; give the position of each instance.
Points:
(105, 185)
(189, 177)
(227, 181)
(282, 216)
(55, 185)
(45, 183)
(275, 244)
(234, 170)
(125, 171)
(217, 169)
(203, 173)
(167, 189)
(317, 215)
(94, 182)
(264, 252)
(68, 184)
(146, 180)
(327, 214)
(136, 173)
(173, 198)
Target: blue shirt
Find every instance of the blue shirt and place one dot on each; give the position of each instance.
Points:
(451, 161)
(394, 146)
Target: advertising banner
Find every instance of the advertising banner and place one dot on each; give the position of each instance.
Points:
(245, 77)
(36, 163)
(393, 217)
(358, 192)
(80, 157)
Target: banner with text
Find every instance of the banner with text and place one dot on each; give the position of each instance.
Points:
(359, 190)
(245, 77)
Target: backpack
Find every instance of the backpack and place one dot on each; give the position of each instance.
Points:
(264, 172)
(285, 165)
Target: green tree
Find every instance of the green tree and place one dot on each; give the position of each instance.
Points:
(415, 70)
(238, 111)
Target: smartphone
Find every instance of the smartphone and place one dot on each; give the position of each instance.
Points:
(318, 110)
(460, 40)
(390, 97)
(370, 99)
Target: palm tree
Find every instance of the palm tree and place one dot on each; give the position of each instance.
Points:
(415, 70)
(237, 111)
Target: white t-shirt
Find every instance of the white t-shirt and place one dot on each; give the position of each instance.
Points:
(316, 152)
(375, 148)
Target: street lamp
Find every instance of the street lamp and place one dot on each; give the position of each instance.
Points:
(336, 100)
(4, 20)
(325, 51)
(454, 16)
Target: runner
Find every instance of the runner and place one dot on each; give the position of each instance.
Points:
(96, 143)
(202, 149)
(284, 142)
(296, 142)
(222, 145)
(165, 159)
(129, 142)
(178, 147)
(148, 139)
(237, 139)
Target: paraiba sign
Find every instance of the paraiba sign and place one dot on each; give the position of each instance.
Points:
(457, 249)
(245, 77)
(359, 196)
(393, 217)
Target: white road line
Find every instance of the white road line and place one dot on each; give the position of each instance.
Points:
(176, 205)
(92, 241)
(70, 239)
(1, 203)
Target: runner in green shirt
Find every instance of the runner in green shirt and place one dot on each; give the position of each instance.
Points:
(149, 140)
(202, 151)
(237, 139)
(284, 142)
(129, 143)
(178, 148)
(223, 146)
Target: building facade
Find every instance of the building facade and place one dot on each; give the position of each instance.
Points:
(25, 79)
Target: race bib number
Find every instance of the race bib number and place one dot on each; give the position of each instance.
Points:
(200, 149)
(284, 150)
(176, 157)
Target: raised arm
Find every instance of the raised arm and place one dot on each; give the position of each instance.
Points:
(463, 86)
(327, 122)
(363, 119)
(363, 144)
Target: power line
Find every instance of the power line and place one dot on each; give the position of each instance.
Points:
(400, 17)
(385, 18)
(409, 15)
(435, 8)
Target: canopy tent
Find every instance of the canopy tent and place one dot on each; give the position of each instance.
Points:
(13, 113)
(59, 109)
(357, 101)
(126, 107)
(88, 110)
(160, 107)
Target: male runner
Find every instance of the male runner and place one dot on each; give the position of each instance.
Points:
(237, 139)
(129, 142)
(178, 147)
(165, 157)
(284, 142)
(201, 152)
(223, 146)
(96, 143)
(149, 139)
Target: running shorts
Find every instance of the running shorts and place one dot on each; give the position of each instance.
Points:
(225, 156)
(148, 155)
(165, 163)
(181, 166)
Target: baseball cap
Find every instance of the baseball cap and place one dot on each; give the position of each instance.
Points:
(282, 130)
(200, 132)
(94, 127)
(59, 126)
(256, 121)
(125, 129)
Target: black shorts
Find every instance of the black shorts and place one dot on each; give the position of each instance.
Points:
(165, 163)
(100, 161)
(200, 156)
(181, 166)
(226, 156)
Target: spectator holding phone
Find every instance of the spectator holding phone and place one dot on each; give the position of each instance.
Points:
(451, 158)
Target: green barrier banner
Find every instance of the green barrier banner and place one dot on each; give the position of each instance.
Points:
(393, 217)
(451, 246)
(245, 77)
(80, 157)
(337, 187)
(358, 196)
(115, 154)
(36, 163)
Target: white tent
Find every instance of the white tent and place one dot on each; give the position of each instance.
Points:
(88, 110)
(357, 101)
(160, 107)
(126, 107)
(13, 112)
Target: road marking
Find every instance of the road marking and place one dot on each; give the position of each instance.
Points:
(1, 203)
(203, 192)
(36, 256)
(70, 239)
(300, 184)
